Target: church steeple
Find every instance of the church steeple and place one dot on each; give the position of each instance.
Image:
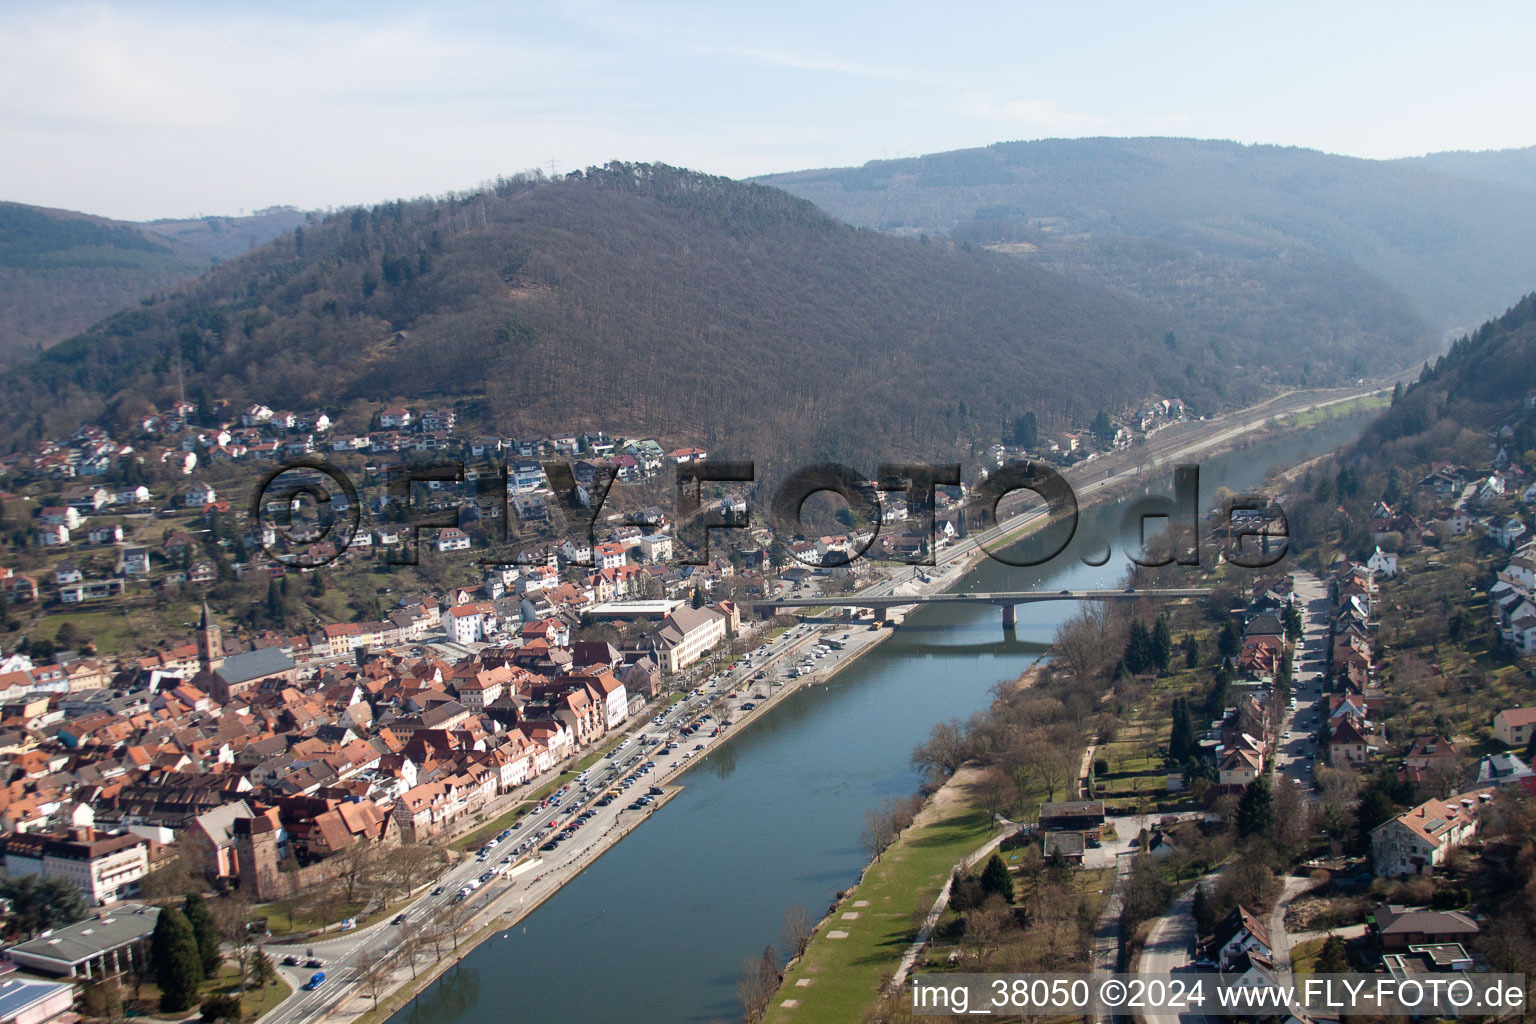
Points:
(210, 642)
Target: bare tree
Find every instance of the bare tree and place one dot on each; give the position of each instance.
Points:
(1054, 765)
(456, 918)
(797, 929)
(376, 978)
(232, 916)
(758, 982)
(993, 790)
(985, 927)
(356, 861)
(945, 750)
(1085, 642)
(877, 833)
(410, 945)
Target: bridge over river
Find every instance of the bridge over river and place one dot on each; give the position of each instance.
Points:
(1007, 600)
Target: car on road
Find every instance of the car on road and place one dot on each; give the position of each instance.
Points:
(314, 961)
(315, 981)
(290, 961)
(438, 891)
(399, 919)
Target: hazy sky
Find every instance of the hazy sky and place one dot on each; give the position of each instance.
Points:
(149, 109)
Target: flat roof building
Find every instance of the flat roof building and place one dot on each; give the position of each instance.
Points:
(108, 944)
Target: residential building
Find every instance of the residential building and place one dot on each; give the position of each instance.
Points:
(1512, 727)
(1418, 841)
(105, 868)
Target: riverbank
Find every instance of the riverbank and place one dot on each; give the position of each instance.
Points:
(861, 941)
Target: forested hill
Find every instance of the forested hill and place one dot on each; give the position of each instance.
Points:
(1225, 231)
(645, 298)
(60, 272)
(1516, 166)
(1480, 386)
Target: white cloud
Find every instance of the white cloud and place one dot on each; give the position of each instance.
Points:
(1031, 113)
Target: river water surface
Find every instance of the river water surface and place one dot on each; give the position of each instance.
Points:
(656, 930)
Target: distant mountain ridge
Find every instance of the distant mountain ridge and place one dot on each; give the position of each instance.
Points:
(649, 298)
(1203, 225)
(62, 271)
(1512, 166)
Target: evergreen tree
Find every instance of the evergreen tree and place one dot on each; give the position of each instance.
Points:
(1191, 651)
(1376, 806)
(1230, 643)
(1103, 427)
(995, 878)
(1202, 911)
(1216, 699)
(1181, 742)
(1138, 650)
(1026, 430)
(1292, 621)
(1162, 643)
(205, 931)
(175, 961)
(1334, 958)
(1256, 810)
(263, 972)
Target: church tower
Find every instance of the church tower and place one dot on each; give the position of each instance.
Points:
(210, 642)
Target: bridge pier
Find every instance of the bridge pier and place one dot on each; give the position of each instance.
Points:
(1010, 616)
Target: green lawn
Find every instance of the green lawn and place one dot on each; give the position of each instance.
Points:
(484, 832)
(1304, 956)
(1336, 411)
(280, 923)
(253, 1002)
(846, 973)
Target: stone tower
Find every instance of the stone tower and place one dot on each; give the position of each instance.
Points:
(210, 642)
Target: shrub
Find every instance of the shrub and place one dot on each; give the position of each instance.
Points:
(221, 1007)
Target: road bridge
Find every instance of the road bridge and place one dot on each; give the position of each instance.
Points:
(1008, 600)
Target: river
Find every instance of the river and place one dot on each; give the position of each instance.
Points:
(656, 930)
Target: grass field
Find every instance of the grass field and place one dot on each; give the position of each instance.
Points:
(1332, 412)
(253, 1002)
(1304, 956)
(845, 974)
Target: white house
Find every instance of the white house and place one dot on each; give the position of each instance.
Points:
(52, 535)
(608, 555)
(1383, 563)
(656, 547)
(1507, 531)
(576, 550)
(451, 539)
(471, 623)
(107, 533)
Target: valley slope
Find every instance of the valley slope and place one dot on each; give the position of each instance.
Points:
(650, 299)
